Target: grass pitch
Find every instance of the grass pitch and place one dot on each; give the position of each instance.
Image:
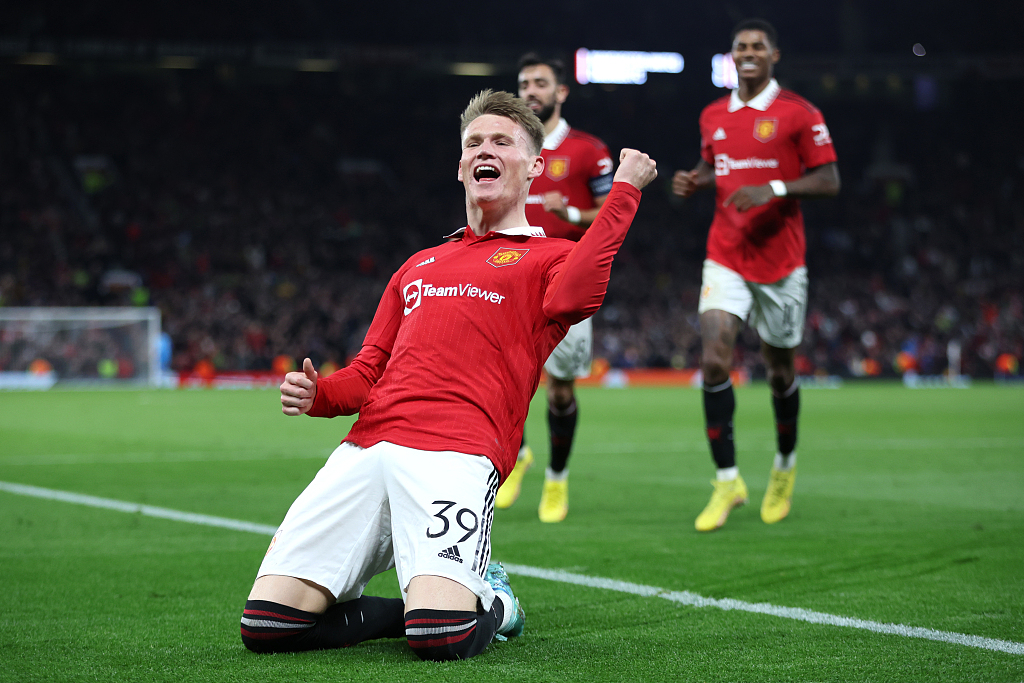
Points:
(908, 510)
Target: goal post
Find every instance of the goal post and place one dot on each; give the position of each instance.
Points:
(81, 345)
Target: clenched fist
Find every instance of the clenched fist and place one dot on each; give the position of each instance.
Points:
(635, 168)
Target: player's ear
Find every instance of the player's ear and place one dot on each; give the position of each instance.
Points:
(561, 93)
(460, 170)
(536, 168)
(776, 55)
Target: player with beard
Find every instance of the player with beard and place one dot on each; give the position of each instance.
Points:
(763, 148)
(564, 201)
(442, 385)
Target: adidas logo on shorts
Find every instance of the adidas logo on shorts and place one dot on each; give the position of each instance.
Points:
(451, 554)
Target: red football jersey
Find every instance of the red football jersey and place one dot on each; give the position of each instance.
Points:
(455, 350)
(577, 165)
(775, 136)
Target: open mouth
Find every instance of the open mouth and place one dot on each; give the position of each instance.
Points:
(485, 173)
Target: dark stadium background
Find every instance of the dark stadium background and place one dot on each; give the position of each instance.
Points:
(257, 170)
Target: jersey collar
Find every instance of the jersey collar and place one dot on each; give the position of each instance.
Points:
(525, 231)
(760, 102)
(556, 137)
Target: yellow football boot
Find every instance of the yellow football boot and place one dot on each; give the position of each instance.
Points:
(554, 501)
(779, 496)
(727, 495)
(509, 491)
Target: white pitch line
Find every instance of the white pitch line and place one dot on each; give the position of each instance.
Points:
(681, 597)
(136, 508)
(799, 614)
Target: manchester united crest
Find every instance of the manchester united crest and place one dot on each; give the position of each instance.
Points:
(507, 257)
(766, 129)
(557, 167)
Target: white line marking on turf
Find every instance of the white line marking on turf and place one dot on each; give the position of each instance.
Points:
(147, 510)
(681, 597)
(694, 600)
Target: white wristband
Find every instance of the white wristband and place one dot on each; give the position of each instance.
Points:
(778, 188)
(574, 215)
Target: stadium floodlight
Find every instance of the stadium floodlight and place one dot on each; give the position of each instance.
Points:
(623, 66)
(723, 72)
(80, 345)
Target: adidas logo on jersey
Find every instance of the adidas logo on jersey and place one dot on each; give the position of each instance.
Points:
(719, 134)
(423, 263)
(451, 554)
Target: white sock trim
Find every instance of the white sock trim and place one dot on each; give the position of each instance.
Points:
(784, 463)
(718, 387)
(727, 473)
(551, 475)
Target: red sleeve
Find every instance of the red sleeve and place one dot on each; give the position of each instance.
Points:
(600, 162)
(814, 144)
(345, 391)
(578, 288)
(388, 318)
(706, 153)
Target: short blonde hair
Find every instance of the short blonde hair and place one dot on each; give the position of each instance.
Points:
(500, 103)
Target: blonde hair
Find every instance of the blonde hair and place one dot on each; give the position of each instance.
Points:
(500, 103)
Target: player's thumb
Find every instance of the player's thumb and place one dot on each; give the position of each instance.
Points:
(307, 368)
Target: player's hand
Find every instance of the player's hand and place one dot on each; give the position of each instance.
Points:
(555, 203)
(749, 196)
(684, 183)
(635, 168)
(299, 389)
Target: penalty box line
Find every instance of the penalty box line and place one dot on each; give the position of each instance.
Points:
(680, 597)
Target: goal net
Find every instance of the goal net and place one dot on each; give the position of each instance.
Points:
(40, 346)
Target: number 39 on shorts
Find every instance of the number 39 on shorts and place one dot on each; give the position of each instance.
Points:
(463, 518)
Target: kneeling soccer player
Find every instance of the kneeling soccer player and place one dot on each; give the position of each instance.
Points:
(442, 386)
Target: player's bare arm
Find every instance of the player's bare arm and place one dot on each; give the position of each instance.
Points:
(822, 181)
(299, 389)
(685, 183)
(557, 203)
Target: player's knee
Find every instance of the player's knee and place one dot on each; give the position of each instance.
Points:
(715, 368)
(442, 635)
(561, 399)
(780, 378)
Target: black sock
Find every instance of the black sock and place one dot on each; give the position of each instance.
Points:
(272, 627)
(719, 406)
(444, 635)
(787, 411)
(562, 427)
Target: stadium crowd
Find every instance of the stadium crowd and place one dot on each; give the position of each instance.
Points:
(264, 220)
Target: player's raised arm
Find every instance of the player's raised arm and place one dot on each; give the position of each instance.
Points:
(578, 289)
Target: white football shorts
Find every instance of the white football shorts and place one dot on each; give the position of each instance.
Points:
(573, 356)
(775, 310)
(367, 510)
